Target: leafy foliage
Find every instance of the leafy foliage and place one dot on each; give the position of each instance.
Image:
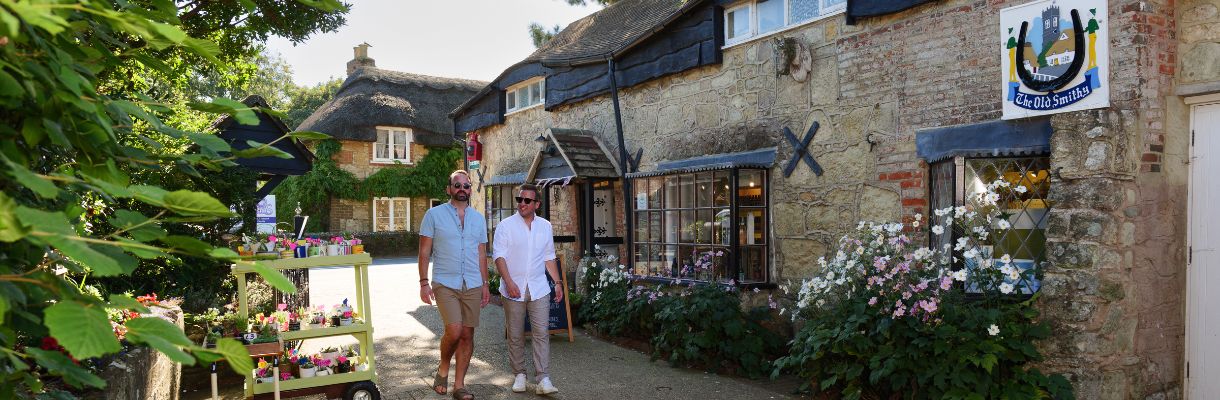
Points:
(100, 177)
(701, 325)
(327, 180)
(302, 101)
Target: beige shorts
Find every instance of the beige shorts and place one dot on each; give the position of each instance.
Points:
(458, 306)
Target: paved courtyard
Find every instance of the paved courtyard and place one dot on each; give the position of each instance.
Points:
(407, 333)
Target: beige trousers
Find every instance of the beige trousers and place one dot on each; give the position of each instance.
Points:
(539, 313)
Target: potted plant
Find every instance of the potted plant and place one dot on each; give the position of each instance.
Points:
(323, 366)
(329, 353)
(342, 365)
(306, 368)
(263, 372)
(357, 246)
(346, 313)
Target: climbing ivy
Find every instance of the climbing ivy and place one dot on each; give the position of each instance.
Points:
(327, 180)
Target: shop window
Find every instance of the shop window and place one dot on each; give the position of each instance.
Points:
(391, 214)
(684, 226)
(393, 145)
(751, 19)
(956, 180)
(500, 205)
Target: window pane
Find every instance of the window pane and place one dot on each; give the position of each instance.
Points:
(381, 208)
(737, 23)
(752, 264)
(802, 10)
(640, 187)
(750, 188)
(535, 94)
(720, 189)
(830, 5)
(542, 90)
(400, 137)
(400, 152)
(510, 101)
(703, 189)
(654, 227)
(689, 227)
(381, 148)
(643, 257)
(523, 98)
(750, 226)
(641, 227)
(686, 185)
(705, 220)
(770, 15)
(669, 261)
(655, 186)
(721, 227)
(1025, 240)
(671, 192)
(401, 208)
(671, 226)
(383, 137)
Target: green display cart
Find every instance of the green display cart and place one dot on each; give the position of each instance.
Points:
(357, 385)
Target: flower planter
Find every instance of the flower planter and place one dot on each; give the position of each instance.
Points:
(294, 326)
(264, 348)
(358, 249)
(332, 250)
(269, 246)
(362, 367)
(323, 372)
(345, 322)
(334, 321)
(332, 356)
(308, 372)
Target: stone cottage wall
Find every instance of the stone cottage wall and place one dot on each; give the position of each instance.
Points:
(1114, 292)
(357, 216)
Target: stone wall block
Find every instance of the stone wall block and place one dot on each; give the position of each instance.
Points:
(1093, 193)
(1069, 255)
(1093, 226)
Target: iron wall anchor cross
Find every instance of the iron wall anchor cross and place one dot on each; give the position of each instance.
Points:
(800, 151)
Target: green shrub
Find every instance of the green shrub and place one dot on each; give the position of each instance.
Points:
(705, 326)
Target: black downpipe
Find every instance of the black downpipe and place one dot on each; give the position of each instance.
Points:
(628, 258)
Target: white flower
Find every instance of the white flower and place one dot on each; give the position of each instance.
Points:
(1014, 275)
(756, 290)
(1005, 288)
(1020, 189)
(915, 223)
(918, 217)
(959, 211)
(1003, 224)
(1007, 269)
(971, 254)
(961, 243)
(1005, 259)
(959, 275)
(938, 230)
(993, 330)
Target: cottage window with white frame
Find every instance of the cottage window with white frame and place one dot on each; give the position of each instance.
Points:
(525, 95)
(752, 19)
(393, 145)
(391, 214)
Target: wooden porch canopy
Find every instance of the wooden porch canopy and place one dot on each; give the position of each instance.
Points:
(569, 154)
(273, 170)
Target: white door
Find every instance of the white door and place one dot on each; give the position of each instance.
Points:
(1203, 276)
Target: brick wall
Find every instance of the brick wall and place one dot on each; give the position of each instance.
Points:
(357, 216)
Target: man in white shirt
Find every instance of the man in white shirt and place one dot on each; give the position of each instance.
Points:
(524, 251)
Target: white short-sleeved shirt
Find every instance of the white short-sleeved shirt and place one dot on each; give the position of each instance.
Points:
(525, 252)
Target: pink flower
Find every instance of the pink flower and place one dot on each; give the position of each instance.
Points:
(271, 238)
(285, 376)
(899, 312)
(872, 301)
(946, 283)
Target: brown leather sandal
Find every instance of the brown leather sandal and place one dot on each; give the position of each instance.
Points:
(462, 394)
(441, 382)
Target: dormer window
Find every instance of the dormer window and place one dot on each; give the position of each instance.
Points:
(525, 95)
(752, 19)
(393, 145)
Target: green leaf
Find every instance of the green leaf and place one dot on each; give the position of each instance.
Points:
(236, 355)
(40, 17)
(113, 189)
(241, 112)
(224, 253)
(126, 219)
(126, 263)
(188, 202)
(9, 86)
(42, 187)
(213, 142)
(3, 307)
(989, 361)
(188, 244)
(308, 135)
(274, 278)
(125, 302)
(82, 329)
(58, 364)
(261, 150)
(11, 228)
(151, 195)
(54, 229)
(161, 335)
(137, 250)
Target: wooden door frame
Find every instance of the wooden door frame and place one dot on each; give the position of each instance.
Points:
(1194, 103)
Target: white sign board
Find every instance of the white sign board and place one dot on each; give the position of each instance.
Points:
(1055, 57)
(264, 214)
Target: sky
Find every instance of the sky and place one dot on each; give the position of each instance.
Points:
(472, 39)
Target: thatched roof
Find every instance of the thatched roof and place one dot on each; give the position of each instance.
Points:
(608, 31)
(373, 97)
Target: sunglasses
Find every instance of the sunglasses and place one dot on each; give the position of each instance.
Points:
(461, 186)
(525, 200)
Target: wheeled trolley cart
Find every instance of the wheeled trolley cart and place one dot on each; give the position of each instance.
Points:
(358, 385)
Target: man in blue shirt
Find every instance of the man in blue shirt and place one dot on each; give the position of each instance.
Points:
(454, 237)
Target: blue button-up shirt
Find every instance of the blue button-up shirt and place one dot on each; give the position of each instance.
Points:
(455, 247)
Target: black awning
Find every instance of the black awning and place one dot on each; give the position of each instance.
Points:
(760, 158)
(987, 139)
(869, 8)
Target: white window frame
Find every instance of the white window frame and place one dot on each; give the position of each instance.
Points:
(511, 93)
(825, 11)
(390, 130)
(393, 212)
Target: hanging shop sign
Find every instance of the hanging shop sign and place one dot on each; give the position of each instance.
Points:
(1055, 57)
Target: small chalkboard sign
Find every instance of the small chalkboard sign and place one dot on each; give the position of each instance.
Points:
(560, 320)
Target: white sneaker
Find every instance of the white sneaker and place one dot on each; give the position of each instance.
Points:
(519, 383)
(545, 387)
